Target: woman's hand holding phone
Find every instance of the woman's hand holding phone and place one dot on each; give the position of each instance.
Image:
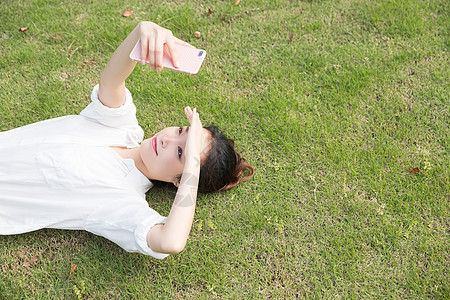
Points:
(160, 49)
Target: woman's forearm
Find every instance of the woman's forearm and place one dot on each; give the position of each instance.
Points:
(179, 222)
(153, 40)
(119, 67)
(172, 236)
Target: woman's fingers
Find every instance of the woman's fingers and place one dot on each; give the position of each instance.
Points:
(195, 120)
(181, 42)
(193, 116)
(172, 51)
(144, 49)
(195, 135)
(188, 113)
(159, 52)
(156, 40)
(151, 52)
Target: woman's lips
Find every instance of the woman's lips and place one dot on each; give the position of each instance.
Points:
(154, 143)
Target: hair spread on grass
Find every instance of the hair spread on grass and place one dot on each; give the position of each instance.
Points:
(223, 168)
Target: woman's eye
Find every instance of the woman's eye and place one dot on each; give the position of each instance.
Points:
(180, 130)
(180, 151)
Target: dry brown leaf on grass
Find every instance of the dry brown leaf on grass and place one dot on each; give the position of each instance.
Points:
(88, 62)
(23, 29)
(20, 253)
(415, 170)
(236, 2)
(291, 36)
(197, 34)
(210, 11)
(127, 13)
(74, 266)
(32, 261)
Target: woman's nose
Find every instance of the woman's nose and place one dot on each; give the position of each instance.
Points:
(166, 140)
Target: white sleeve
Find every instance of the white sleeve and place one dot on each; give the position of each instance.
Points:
(126, 223)
(121, 117)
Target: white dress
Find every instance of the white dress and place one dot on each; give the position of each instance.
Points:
(61, 173)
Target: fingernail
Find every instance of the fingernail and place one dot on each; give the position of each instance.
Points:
(159, 69)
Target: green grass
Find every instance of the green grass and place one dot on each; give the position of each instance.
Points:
(333, 120)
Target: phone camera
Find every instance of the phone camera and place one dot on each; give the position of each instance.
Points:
(200, 53)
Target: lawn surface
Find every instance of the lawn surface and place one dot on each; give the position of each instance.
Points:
(342, 107)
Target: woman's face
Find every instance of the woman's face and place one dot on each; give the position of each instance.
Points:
(164, 154)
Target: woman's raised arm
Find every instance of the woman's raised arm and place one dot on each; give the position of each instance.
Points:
(153, 40)
(172, 236)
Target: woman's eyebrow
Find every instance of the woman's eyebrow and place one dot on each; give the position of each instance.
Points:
(186, 129)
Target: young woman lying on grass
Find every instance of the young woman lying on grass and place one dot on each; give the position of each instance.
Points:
(91, 171)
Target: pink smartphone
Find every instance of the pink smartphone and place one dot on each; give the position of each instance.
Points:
(189, 59)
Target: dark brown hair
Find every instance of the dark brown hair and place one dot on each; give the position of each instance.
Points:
(223, 167)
